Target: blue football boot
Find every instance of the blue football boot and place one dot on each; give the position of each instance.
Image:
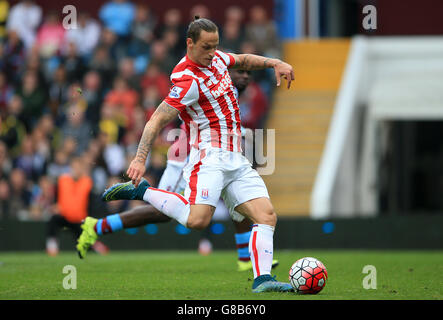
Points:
(266, 283)
(126, 191)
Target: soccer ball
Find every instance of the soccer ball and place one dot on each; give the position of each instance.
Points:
(308, 275)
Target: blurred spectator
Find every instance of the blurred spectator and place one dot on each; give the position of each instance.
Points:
(19, 196)
(150, 101)
(232, 37)
(50, 36)
(41, 144)
(58, 90)
(200, 10)
(73, 63)
(59, 166)
(142, 30)
(69, 146)
(126, 71)
(12, 129)
(73, 192)
(24, 18)
(73, 98)
(12, 56)
(34, 99)
(4, 11)
(5, 161)
(50, 131)
(30, 162)
(78, 128)
(115, 49)
(85, 36)
(262, 32)
(6, 92)
(173, 20)
(171, 39)
(124, 99)
(117, 15)
(4, 199)
(113, 154)
(234, 14)
(34, 64)
(42, 199)
(92, 93)
(103, 63)
(110, 123)
(155, 78)
(160, 56)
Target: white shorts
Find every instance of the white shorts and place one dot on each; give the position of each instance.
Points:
(213, 172)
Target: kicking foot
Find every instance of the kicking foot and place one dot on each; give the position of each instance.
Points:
(87, 238)
(126, 191)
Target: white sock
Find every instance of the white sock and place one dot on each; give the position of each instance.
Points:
(261, 247)
(171, 204)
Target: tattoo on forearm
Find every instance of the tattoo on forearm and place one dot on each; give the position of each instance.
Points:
(254, 62)
(162, 116)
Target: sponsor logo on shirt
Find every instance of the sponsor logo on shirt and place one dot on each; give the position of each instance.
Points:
(221, 87)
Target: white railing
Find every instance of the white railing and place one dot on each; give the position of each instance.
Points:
(338, 129)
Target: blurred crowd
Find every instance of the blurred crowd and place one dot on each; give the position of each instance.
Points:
(121, 61)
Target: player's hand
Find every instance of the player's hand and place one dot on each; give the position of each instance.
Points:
(285, 70)
(136, 171)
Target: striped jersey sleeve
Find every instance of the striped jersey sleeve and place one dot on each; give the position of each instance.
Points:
(227, 58)
(183, 93)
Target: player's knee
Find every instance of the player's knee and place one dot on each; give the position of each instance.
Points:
(268, 217)
(198, 223)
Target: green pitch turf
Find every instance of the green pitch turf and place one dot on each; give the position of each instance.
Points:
(185, 275)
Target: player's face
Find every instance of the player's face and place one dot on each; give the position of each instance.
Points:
(240, 78)
(203, 50)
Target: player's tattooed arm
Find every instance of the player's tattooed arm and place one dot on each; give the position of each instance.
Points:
(161, 117)
(255, 62)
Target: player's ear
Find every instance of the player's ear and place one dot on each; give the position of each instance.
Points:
(189, 42)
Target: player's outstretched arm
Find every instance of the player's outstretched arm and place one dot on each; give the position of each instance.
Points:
(161, 117)
(255, 62)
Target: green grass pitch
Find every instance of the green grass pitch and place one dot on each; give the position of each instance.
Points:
(171, 275)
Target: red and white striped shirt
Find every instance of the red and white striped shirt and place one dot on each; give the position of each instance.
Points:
(207, 103)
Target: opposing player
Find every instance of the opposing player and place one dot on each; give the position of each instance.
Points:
(171, 180)
(203, 96)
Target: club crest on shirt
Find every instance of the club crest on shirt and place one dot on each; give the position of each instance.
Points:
(205, 193)
(175, 92)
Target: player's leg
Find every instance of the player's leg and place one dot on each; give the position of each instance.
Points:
(261, 244)
(93, 228)
(242, 236)
(54, 224)
(247, 195)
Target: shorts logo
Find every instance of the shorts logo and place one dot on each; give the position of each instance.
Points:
(205, 193)
(175, 92)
